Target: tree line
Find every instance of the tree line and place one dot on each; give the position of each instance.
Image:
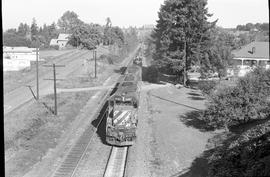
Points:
(252, 26)
(30, 35)
(83, 35)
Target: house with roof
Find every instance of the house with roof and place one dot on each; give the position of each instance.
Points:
(61, 41)
(250, 56)
(53, 42)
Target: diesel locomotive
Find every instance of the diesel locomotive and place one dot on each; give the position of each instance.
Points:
(122, 117)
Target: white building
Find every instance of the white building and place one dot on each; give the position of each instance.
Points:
(61, 41)
(17, 58)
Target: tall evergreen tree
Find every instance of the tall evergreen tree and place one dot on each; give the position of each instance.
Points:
(181, 29)
(46, 35)
(53, 32)
(108, 22)
(27, 31)
(21, 30)
(34, 30)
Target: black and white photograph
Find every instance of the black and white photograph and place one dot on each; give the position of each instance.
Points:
(136, 88)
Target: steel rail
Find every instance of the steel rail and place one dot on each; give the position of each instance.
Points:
(116, 165)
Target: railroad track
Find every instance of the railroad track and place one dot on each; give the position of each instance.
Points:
(69, 165)
(116, 165)
(116, 162)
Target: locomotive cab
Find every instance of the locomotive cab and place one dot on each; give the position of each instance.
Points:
(122, 120)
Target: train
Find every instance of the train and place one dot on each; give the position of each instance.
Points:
(122, 116)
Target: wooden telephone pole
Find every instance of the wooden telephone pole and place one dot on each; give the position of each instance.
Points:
(185, 62)
(54, 79)
(37, 97)
(95, 58)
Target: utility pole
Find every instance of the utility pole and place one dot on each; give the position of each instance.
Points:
(37, 97)
(185, 61)
(54, 85)
(94, 56)
(55, 95)
(95, 53)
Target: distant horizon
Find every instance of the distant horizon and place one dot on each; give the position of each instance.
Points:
(126, 13)
(146, 25)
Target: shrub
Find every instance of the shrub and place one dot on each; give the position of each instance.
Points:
(56, 47)
(207, 86)
(247, 101)
(111, 58)
(248, 155)
(150, 74)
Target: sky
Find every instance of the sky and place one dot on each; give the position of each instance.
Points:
(125, 13)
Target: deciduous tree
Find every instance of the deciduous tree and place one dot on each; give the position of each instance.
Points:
(69, 21)
(86, 36)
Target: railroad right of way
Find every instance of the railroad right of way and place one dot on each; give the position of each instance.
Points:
(77, 138)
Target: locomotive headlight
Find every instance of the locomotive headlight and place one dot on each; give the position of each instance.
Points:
(110, 131)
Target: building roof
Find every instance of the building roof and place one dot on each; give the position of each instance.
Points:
(63, 37)
(7, 49)
(253, 50)
(53, 42)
